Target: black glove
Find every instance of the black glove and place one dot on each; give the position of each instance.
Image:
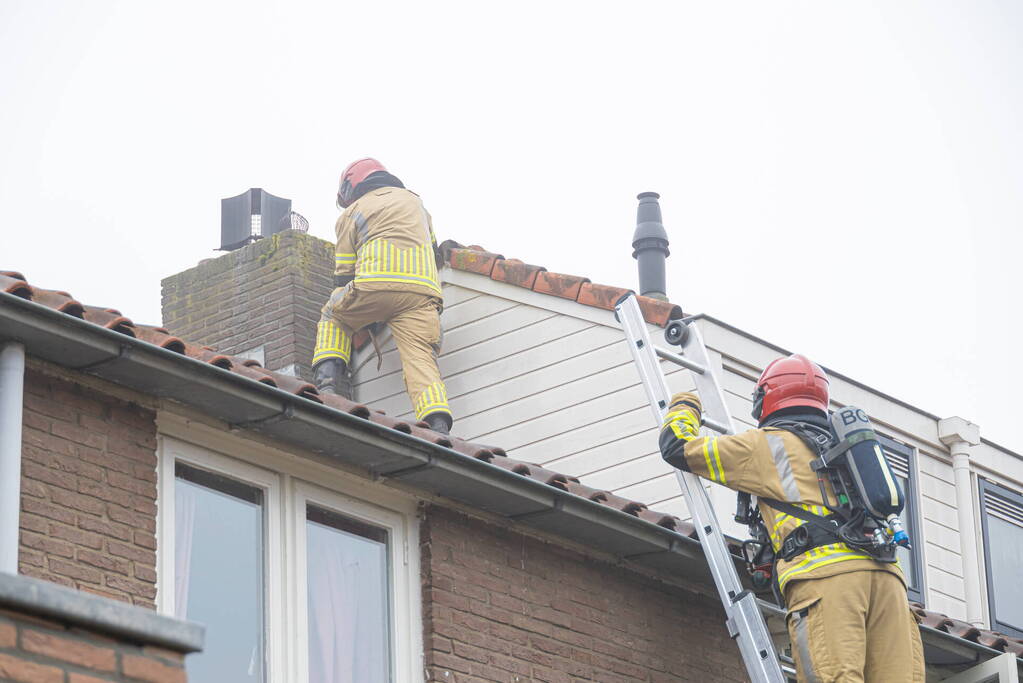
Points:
(342, 280)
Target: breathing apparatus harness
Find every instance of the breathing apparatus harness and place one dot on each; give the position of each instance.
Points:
(863, 511)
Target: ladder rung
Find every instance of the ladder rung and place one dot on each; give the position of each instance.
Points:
(680, 360)
(719, 427)
(716, 426)
(743, 615)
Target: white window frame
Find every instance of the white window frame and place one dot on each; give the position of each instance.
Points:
(173, 451)
(1013, 498)
(286, 478)
(401, 579)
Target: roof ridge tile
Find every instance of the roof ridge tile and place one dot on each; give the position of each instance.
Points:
(476, 259)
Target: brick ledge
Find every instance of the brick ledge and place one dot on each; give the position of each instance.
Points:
(42, 598)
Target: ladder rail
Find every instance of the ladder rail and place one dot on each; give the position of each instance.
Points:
(745, 622)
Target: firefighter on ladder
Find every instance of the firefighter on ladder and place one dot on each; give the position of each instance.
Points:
(385, 273)
(848, 617)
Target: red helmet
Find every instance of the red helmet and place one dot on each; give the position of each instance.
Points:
(790, 382)
(356, 172)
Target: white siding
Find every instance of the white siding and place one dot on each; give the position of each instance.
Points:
(551, 382)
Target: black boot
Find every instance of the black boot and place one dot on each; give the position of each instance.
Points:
(331, 377)
(439, 422)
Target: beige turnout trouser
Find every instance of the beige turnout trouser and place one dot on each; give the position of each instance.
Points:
(414, 320)
(854, 628)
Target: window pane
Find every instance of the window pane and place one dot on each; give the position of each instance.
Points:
(905, 555)
(349, 600)
(218, 547)
(1005, 551)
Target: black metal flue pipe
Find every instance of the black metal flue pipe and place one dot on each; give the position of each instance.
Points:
(650, 246)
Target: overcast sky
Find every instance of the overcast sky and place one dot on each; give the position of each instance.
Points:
(840, 179)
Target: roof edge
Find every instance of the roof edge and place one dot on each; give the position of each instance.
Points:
(844, 378)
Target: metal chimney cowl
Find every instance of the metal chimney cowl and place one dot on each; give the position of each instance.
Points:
(252, 215)
(650, 246)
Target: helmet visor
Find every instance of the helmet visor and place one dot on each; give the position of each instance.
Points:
(344, 194)
(758, 402)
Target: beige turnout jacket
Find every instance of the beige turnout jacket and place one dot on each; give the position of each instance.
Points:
(385, 240)
(773, 463)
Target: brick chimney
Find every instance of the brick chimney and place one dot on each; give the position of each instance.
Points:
(261, 301)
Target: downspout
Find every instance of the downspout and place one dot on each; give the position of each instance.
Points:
(12, 387)
(959, 435)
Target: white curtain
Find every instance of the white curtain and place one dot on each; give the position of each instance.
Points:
(184, 527)
(334, 597)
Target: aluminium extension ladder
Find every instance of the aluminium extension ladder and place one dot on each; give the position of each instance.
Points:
(745, 622)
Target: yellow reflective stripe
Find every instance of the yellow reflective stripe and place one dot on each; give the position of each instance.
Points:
(715, 470)
(829, 551)
(344, 259)
(717, 459)
(429, 408)
(822, 560)
(399, 278)
(671, 417)
(382, 261)
(778, 524)
(682, 425)
(331, 342)
(883, 464)
(706, 457)
(781, 518)
(433, 399)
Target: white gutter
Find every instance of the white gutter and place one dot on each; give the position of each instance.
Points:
(12, 387)
(959, 435)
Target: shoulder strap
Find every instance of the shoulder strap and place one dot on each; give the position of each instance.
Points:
(817, 441)
(799, 513)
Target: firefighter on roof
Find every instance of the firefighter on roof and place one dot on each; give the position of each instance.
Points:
(385, 273)
(848, 617)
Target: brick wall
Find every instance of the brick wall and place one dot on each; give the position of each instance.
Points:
(267, 294)
(501, 606)
(34, 650)
(88, 503)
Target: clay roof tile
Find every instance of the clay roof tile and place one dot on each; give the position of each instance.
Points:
(15, 285)
(559, 284)
(160, 337)
(658, 312)
(58, 301)
(109, 318)
(343, 405)
(476, 259)
(473, 261)
(257, 374)
(515, 272)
